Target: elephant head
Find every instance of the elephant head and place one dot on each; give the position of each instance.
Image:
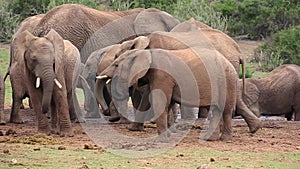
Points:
(42, 56)
(108, 58)
(124, 72)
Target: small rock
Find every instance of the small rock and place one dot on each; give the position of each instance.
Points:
(61, 148)
(84, 158)
(204, 166)
(212, 160)
(14, 161)
(88, 146)
(84, 166)
(37, 149)
(298, 148)
(179, 155)
(6, 151)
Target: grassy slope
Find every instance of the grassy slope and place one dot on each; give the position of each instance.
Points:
(25, 156)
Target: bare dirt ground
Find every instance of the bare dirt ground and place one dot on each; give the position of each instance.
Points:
(277, 134)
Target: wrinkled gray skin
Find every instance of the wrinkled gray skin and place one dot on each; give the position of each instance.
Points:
(89, 29)
(142, 64)
(277, 93)
(16, 69)
(2, 97)
(50, 58)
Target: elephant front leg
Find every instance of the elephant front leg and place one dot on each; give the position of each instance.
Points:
(42, 120)
(63, 116)
(160, 103)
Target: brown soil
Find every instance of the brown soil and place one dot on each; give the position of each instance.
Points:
(277, 135)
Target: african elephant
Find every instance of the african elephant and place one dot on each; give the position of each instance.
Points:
(2, 97)
(275, 94)
(16, 69)
(51, 72)
(104, 57)
(178, 76)
(219, 40)
(89, 29)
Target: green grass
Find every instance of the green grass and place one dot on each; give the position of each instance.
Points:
(50, 157)
(4, 63)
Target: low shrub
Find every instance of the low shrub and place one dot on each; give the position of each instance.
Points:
(284, 47)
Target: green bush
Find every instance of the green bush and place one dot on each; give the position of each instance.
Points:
(8, 22)
(284, 47)
(259, 18)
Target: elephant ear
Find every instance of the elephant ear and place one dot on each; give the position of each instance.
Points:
(134, 67)
(252, 94)
(151, 20)
(141, 42)
(186, 26)
(20, 43)
(59, 48)
(108, 57)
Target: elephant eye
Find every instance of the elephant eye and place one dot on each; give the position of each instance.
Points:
(116, 64)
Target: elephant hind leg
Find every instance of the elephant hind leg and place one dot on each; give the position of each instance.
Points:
(226, 128)
(212, 132)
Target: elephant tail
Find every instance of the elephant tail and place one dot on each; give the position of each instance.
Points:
(242, 62)
(7, 73)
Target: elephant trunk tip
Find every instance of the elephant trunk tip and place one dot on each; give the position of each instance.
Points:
(45, 109)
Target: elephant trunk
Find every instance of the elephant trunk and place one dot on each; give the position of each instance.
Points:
(48, 84)
(99, 88)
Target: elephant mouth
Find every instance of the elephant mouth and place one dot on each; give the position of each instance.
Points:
(38, 83)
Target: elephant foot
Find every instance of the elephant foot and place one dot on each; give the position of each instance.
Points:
(114, 118)
(16, 120)
(163, 137)
(123, 120)
(173, 129)
(106, 112)
(226, 137)
(92, 115)
(136, 127)
(2, 122)
(45, 131)
(66, 133)
(79, 120)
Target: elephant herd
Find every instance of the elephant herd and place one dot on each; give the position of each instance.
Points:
(143, 54)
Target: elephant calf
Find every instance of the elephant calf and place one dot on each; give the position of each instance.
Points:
(276, 94)
(50, 66)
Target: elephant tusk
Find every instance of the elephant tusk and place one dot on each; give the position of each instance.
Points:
(102, 77)
(38, 82)
(108, 81)
(57, 83)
